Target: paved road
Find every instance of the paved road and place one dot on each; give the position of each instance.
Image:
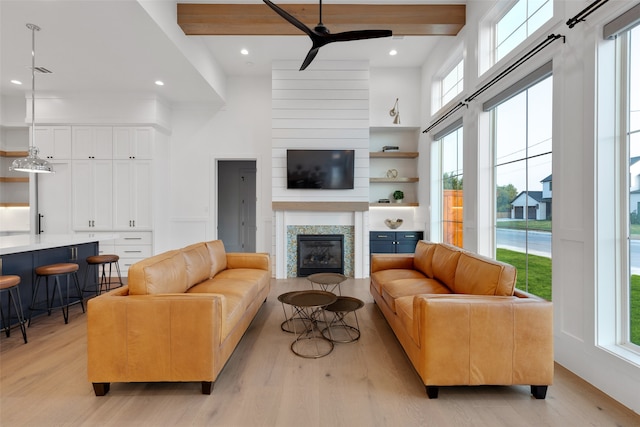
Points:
(540, 244)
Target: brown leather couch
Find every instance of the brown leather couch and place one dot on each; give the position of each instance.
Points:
(460, 320)
(179, 318)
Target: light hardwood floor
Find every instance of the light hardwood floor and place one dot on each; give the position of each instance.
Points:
(366, 383)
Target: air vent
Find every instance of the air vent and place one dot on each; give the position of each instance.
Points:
(42, 70)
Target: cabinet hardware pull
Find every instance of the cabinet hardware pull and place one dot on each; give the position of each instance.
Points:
(132, 252)
(409, 235)
(133, 238)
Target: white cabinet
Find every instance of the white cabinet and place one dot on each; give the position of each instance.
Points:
(132, 247)
(132, 143)
(132, 194)
(92, 142)
(53, 142)
(92, 192)
(54, 199)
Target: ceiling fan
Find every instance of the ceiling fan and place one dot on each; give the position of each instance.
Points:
(321, 36)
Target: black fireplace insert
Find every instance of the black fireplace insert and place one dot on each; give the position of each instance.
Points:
(320, 253)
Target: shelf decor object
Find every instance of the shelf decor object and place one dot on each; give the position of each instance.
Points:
(32, 163)
(398, 196)
(393, 223)
(395, 113)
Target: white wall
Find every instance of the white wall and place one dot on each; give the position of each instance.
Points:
(574, 147)
(200, 136)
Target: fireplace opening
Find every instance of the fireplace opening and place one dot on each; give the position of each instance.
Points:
(320, 253)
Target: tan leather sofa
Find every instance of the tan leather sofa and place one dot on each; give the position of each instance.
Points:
(460, 321)
(179, 318)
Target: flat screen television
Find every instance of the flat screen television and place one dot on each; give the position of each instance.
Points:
(320, 169)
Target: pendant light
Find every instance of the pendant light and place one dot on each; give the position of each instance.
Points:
(32, 163)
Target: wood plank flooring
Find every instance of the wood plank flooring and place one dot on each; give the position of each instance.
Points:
(366, 383)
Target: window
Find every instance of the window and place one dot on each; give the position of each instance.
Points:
(522, 20)
(522, 174)
(630, 88)
(452, 84)
(451, 166)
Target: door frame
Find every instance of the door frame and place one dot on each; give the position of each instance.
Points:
(213, 195)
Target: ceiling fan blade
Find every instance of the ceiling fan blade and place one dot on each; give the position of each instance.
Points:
(358, 35)
(310, 57)
(287, 16)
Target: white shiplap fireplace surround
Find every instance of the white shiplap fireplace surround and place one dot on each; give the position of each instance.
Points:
(323, 107)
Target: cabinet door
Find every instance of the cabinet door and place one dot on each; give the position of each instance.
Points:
(54, 199)
(54, 142)
(92, 194)
(382, 242)
(92, 142)
(82, 190)
(132, 143)
(132, 194)
(407, 241)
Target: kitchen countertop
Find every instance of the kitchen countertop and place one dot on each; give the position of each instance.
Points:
(31, 242)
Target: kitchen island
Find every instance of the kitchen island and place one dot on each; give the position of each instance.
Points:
(21, 254)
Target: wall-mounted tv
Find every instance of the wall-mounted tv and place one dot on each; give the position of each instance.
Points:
(320, 169)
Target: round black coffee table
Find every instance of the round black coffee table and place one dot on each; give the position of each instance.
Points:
(327, 281)
(338, 330)
(309, 306)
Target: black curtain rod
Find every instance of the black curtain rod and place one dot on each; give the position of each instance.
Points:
(585, 12)
(550, 39)
(443, 118)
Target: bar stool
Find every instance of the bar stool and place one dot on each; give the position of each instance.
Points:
(9, 284)
(55, 271)
(100, 262)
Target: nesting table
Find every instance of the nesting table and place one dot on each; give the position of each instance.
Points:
(309, 309)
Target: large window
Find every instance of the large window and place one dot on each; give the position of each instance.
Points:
(525, 17)
(523, 211)
(451, 161)
(631, 116)
(452, 84)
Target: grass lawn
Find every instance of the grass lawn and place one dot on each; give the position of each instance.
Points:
(532, 225)
(540, 283)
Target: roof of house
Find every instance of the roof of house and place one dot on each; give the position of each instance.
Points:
(535, 195)
(547, 179)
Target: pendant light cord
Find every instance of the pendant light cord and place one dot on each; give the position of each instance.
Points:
(33, 29)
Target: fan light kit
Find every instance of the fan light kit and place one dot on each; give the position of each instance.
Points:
(321, 36)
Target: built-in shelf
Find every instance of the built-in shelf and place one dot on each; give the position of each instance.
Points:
(14, 205)
(13, 153)
(394, 205)
(13, 179)
(393, 155)
(394, 180)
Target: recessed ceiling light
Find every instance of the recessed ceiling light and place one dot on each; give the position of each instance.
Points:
(393, 52)
(244, 52)
(16, 82)
(159, 82)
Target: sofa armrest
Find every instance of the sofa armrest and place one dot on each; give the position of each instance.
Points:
(153, 337)
(475, 339)
(258, 261)
(391, 261)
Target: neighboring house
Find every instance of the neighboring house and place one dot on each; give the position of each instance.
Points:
(537, 204)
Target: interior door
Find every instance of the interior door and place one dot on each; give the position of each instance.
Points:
(237, 205)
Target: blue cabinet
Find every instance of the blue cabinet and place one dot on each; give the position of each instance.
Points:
(394, 242)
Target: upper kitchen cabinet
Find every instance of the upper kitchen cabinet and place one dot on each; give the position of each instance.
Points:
(53, 142)
(92, 142)
(133, 143)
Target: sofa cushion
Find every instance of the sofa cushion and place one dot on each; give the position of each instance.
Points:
(423, 257)
(385, 276)
(399, 288)
(478, 275)
(259, 277)
(218, 256)
(160, 274)
(198, 263)
(246, 290)
(444, 263)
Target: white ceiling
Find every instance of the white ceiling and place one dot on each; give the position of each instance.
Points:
(95, 46)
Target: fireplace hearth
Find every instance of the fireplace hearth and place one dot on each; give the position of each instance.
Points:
(320, 253)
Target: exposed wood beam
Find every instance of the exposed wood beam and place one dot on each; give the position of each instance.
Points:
(258, 19)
